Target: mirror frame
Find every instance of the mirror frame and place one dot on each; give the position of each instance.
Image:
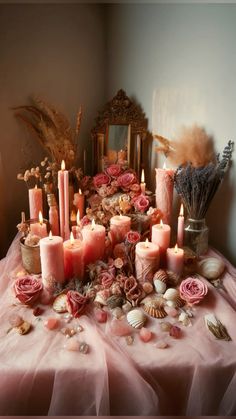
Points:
(121, 110)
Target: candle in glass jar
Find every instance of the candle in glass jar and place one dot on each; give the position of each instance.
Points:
(147, 258)
(175, 259)
(73, 258)
(180, 230)
(94, 242)
(52, 261)
(119, 227)
(164, 192)
(79, 202)
(39, 228)
(35, 201)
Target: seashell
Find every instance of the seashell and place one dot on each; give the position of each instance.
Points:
(179, 302)
(59, 304)
(23, 328)
(171, 294)
(147, 287)
(126, 307)
(100, 299)
(161, 275)
(115, 301)
(160, 286)
(136, 318)
(173, 278)
(155, 308)
(211, 268)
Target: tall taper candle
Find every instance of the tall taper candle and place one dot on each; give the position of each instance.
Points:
(35, 201)
(164, 192)
(180, 230)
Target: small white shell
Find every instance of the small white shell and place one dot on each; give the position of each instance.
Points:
(60, 304)
(171, 294)
(160, 286)
(211, 268)
(136, 318)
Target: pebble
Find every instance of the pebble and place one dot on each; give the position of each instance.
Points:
(175, 332)
(129, 340)
(83, 348)
(51, 323)
(100, 315)
(165, 326)
(161, 344)
(145, 334)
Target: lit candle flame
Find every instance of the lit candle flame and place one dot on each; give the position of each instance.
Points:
(78, 217)
(36, 187)
(181, 212)
(93, 224)
(63, 165)
(142, 176)
(80, 192)
(176, 248)
(40, 217)
(72, 240)
(161, 223)
(50, 235)
(164, 165)
(147, 243)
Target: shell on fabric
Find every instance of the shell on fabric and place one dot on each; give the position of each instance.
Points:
(155, 307)
(171, 294)
(136, 318)
(60, 304)
(160, 286)
(161, 275)
(179, 302)
(211, 268)
(24, 328)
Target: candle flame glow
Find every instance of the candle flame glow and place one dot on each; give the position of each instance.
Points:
(161, 223)
(176, 248)
(181, 212)
(72, 240)
(80, 192)
(63, 165)
(164, 165)
(50, 235)
(40, 217)
(93, 224)
(78, 217)
(147, 243)
(36, 187)
(142, 176)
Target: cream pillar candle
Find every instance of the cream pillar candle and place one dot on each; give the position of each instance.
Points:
(94, 242)
(51, 255)
(40, 228)
(79, 202)
(73, 258)
(180, 229)
(175, 260)
(35, 201)
(119, 227)
(164, 192)
(147, 258)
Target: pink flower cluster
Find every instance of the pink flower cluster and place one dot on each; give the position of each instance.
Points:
(192, 290)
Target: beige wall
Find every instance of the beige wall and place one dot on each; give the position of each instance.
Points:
(56, 51)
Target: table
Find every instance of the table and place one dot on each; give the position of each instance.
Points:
(195, 375)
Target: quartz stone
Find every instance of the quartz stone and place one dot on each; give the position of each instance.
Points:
(51, 323)
(83, 348)
(145, 334)
(175, 332)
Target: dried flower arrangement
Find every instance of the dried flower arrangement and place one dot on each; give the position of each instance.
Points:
(52, 129)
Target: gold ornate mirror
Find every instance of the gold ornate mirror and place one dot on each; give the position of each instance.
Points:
(121, 128)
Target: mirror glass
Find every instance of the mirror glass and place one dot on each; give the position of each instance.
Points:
(118, 137)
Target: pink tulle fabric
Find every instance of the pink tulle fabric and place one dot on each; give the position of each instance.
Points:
(195, 375)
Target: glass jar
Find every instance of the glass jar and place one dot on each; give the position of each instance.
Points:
(196, 235)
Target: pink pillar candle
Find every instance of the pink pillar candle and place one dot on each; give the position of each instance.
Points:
(164, 193)
(40, 228)
(61, 199)
(53, 220)
(67, 205)
(52, 260)
(94, 242)
(119, 227)
(161, 235)
(76, 229)
(147, 259)
(180, 229)
(79, 202)
(73, 258)
(175, 260)
(35, 202)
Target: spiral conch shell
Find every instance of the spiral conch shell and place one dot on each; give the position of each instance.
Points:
(211, 268)
(136, 318)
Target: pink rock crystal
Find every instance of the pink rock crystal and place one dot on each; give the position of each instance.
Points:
(145, 334)
(51, 323)
(100, 316)
(175, 332)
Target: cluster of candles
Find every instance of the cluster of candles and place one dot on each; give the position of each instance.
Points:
(65, 256)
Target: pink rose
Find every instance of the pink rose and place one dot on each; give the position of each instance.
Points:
(101, 179)
(141, 203)
(114, 170)
(133, 237)
(28, 289)
(192, 290)
(126, 180)
(105, 279)
(76, 303)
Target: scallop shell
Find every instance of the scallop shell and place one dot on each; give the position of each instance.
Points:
(211, 268)
(179, 302)
(115, 301)
(154, 306)
(161, 275)
(136, 318)
(171, 294)
(60, 304)
(160, 286)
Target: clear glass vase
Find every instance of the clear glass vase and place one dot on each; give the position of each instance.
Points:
(196, 235)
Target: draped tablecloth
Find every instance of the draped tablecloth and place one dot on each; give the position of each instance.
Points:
(195, 375)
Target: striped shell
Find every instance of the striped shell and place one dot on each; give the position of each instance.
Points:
(161, 275)
(211, 268)
(154, 307)
(136, 318)
(60, 304)
(179, 302)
